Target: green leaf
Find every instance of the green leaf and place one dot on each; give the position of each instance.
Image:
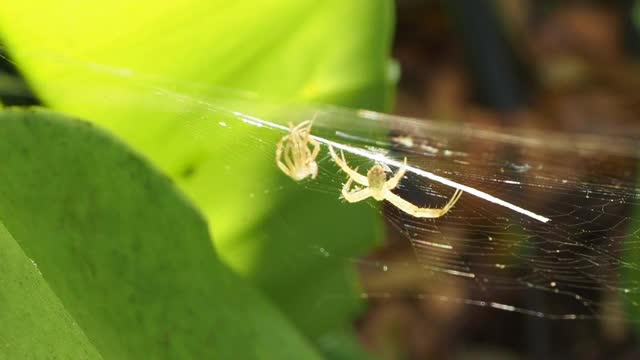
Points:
(34, 322)
(267, 227)
(129, 259)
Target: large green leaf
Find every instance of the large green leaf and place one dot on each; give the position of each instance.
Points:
(129, 259)
(104, 62)
(34, 322)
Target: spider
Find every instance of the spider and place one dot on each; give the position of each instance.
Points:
(299, 159)
(378, 187)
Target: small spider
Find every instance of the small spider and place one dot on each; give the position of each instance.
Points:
(299, 159)
(378, 187)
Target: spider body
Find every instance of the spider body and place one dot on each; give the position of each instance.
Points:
(294, 155)
(376, 179)
(378, 187)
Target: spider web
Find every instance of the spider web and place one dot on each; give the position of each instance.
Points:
(548, 214)
(540, 213)
(543, 216)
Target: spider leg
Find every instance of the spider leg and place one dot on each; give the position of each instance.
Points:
(316, 148)
(282, 166)
(279, 145)
(279, 149)
(288, 154)
(416, 211)
(453, 200)
(342, 163)
(312, 159)
(305, 124)
(393, 182)
(305, 128)
(354, 196)
(305, 137)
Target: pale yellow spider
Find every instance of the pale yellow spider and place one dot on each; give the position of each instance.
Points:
(299, 159)
(378, 187)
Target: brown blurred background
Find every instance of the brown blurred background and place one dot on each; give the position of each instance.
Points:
(568, 66)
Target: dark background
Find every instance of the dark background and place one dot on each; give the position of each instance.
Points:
(566, 66)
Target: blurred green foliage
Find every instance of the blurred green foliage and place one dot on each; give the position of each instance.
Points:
(103, 63)
(40, 326)
(128, 258)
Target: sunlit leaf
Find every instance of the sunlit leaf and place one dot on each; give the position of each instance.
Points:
(35, 323)
(107, 63)
(128, 258)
